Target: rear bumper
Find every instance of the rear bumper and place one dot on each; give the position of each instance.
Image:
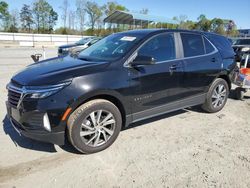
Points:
(57, 138)
(238, 57)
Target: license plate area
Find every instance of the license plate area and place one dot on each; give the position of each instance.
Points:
(12, 112)
(8, 110)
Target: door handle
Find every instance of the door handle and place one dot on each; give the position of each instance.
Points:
(213, 60)
(174, 67)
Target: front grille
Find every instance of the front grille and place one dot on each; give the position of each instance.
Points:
(14, 94)
(60, 51)
(13, 97)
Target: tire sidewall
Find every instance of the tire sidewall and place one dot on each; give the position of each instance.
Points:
(84, 112)
(239, 92)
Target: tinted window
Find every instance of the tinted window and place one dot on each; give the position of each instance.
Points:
(208, 46)
(192, 44)
(161, 48)
(222, 44)
(243, 42)
(83, 41)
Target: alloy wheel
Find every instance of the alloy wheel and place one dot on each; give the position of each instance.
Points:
(219, 96)
(97, 128)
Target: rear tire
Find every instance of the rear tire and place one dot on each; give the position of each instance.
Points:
(94, 126)
(217, 96)
(239, 93)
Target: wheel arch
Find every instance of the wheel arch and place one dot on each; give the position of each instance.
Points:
(227, 79)
(109, 96)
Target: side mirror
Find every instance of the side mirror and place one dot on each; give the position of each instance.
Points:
(36, 57)
(143, 60)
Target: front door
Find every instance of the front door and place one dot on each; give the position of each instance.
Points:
(155, 86)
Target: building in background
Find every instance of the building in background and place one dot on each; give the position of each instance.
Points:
(244, 32)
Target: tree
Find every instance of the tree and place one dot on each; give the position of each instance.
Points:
(112, 6)
(44, 16)
(217, 26)
(203, 23)
(14, 21)
(65, 12)
(71, 20)
(80, 13)
(4, 14)
(3, 9)
(182, 20)
(232, 29)
(53, 17)
(26, 17)
(94, 11)
(190, 25)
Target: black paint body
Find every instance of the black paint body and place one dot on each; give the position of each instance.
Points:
(139, 92)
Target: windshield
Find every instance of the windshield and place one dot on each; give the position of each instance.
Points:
(243, 42)
(111, 48)
(83, 41)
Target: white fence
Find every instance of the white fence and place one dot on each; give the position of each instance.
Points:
(26, 39)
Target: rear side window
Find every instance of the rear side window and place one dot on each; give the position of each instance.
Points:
(192, 44)
(222, 44)
(208, 46)
(161, 48)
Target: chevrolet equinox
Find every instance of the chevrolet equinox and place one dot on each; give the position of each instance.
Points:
(123, 78)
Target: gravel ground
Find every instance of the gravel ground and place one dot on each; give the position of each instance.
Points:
(187, 148)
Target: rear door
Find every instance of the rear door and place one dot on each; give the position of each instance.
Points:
(202, 63)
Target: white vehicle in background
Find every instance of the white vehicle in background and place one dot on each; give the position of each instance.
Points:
(75, 48)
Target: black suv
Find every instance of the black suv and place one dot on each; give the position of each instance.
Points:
(123, 78)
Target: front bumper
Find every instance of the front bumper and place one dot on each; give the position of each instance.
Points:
(30, 124)
(57, 138)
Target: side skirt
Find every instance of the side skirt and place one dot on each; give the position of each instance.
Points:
(170, 107)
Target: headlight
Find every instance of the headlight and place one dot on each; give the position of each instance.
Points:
(245, 49)
(65, 49)
(44, 91)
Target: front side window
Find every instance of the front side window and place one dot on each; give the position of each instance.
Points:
(192, 44)
(161, 48)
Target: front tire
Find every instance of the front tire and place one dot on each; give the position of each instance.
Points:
(217, 96)
(94, 126)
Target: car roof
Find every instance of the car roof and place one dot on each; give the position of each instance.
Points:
(220, 42)
(152, 31)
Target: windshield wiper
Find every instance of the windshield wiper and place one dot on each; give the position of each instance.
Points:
(85, 58)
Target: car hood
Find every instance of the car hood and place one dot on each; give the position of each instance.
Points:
(55, 70)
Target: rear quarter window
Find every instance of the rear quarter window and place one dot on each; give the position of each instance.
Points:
(208, 46)
(222, 44)
(192, 44)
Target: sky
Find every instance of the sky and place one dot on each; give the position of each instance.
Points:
(226, 9)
